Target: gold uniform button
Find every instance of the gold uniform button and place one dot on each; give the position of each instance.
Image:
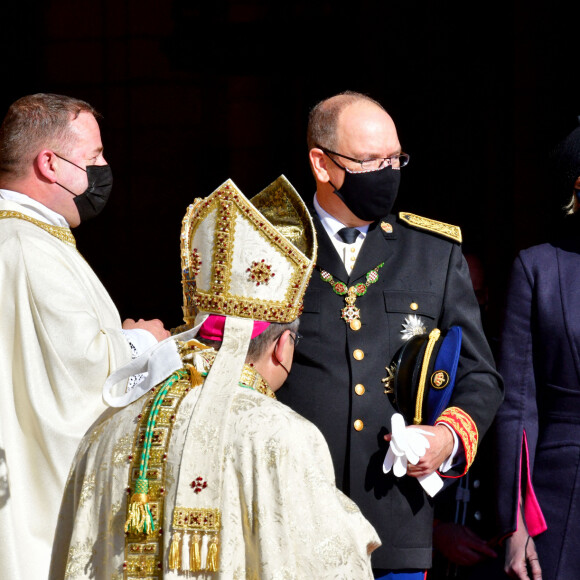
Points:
(359, 425)
(358, 354)
(413, 306)
(359, 389)
(353, 250)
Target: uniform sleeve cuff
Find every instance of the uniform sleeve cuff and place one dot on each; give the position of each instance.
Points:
(465, 428)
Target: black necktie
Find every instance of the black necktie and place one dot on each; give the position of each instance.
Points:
(348, 235)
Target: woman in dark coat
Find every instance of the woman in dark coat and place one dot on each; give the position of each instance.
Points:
(538, 425)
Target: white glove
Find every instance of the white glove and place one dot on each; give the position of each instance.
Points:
(408, 445)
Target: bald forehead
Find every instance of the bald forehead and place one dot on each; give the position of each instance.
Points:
(323, 118)
(360, 110)
(366, 130)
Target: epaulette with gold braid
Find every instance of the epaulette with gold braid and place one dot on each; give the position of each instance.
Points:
(441, 228)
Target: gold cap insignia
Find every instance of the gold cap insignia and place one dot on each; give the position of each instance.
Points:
(439, 379)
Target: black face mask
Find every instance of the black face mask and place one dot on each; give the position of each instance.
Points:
(91, 202)
(369, 195)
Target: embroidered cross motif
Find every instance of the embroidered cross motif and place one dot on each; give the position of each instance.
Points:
(198, 484)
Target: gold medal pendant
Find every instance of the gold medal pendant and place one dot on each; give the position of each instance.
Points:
(351, 313)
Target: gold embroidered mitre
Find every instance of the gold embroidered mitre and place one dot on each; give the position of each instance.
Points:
(239, 262)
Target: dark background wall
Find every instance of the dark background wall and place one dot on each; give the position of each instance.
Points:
(194, 93)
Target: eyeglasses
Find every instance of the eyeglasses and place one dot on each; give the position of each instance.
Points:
(296, 338)
(394, 161)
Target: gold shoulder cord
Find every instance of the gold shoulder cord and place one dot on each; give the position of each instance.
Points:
(433, 338)
(63, 234)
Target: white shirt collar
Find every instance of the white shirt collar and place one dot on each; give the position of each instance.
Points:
(34, 208)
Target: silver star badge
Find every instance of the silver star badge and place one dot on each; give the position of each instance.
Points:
(413, 326)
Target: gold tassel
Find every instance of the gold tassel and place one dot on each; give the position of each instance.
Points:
(195, 552)
(174, 555)
(213, 554)
(140, 519)
(195, 377)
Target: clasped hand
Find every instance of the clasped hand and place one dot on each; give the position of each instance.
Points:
(411, 453)
(407, 446)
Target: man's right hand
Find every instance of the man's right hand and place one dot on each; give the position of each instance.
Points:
(155, 327)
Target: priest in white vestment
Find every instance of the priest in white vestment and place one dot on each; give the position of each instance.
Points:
(203, 474)
(60, 333)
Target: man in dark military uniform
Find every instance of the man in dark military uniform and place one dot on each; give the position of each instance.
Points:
(380, 281)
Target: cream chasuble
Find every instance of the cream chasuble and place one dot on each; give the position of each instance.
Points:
(281, 515)
(60, 337)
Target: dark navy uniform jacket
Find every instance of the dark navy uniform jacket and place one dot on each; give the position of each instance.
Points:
(540, 362)
(424, 274)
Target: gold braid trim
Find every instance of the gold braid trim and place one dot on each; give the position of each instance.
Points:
(441, 228)
(63, 234)
(144, 552)
(196, 519)
(466, 428)
(433, 338)
(251, 379)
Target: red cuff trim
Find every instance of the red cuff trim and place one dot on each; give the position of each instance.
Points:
(466, 430)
